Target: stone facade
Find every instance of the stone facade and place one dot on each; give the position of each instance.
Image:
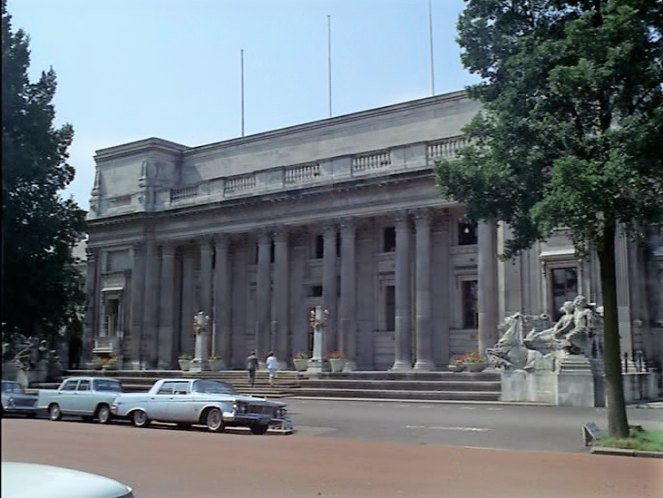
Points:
(343, 213)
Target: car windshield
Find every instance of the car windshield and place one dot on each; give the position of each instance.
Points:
(107, 385)
(213, 387)
(11, 387)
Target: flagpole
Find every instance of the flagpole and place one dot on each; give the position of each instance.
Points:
(241, 56)
(430, 37)
(329, 67)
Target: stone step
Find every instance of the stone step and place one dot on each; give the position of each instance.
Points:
(415, 376)
(399, 394)
(402, 385)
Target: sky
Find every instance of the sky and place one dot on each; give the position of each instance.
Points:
(133, 69)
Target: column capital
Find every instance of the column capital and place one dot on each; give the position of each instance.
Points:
(280, 234)
(168, 248)
(423, 217)
(329, 227)
(264, 235)
(441, 220)
(402, 219)
(221, 240)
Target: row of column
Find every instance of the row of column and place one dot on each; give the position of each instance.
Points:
(155, 297)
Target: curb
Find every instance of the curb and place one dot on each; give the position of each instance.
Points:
(602, 450)
(427, 401)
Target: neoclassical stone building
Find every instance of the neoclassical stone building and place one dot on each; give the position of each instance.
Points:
(343, 213)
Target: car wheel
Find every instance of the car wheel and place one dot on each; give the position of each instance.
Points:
(103, 414)
(214, 420)
(54, 412)
(139, 418)
(259, 429)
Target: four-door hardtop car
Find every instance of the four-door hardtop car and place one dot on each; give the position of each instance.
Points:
(88, 397)
(199, 401)
(16, 400)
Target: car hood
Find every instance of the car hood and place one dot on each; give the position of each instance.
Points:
(30, 480)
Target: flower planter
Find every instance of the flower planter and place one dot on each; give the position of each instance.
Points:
(337, 364)
(476, 367)
(301, 364)
(215, 364)
(184, 364)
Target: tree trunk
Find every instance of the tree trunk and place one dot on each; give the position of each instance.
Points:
(617, 421)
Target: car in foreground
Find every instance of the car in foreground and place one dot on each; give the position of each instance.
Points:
(87, 397)
(31, 480)
(199, 401)
(16, 401)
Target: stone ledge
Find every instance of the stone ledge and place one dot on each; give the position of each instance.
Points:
(602, 450)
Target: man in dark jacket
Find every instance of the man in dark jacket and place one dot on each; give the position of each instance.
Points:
(252, 366)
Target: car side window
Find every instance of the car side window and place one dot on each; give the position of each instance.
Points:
(166, 388)
(180, 388)
(84, 385)
(70, 385)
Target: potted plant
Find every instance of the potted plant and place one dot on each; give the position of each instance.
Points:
(215, 363)
(473, 362)
(456, 363)
(96, 363)
(300, 360)
(336, 361)
(184, 361)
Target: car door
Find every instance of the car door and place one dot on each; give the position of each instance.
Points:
(180, 405)
(83, 397)
(66, 397)
(157, 405)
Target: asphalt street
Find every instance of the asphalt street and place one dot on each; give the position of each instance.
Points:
(495, 426)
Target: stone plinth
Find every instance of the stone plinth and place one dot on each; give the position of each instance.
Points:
(575, 382)
(538, 387)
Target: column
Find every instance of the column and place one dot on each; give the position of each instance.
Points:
(263, 294)
(622, 278)
(329, 287)
(167, 307)
(424, 337)
(149, 346)
(403, 333)
(241, 323)
(348, 310)
(91, 305)
(137, 305)
(222, 300)
(487, 295)
(205, 305)
(281, 297)
(188, 298)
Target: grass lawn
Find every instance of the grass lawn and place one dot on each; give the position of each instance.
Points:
(639, 439)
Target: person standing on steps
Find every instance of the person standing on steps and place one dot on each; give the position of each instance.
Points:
(252, 366)
(271, 365)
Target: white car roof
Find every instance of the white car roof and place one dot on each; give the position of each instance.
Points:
(31, 480)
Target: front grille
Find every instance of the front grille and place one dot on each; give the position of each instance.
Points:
(261, 409)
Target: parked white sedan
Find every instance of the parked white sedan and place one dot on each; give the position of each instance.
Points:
(199, 401)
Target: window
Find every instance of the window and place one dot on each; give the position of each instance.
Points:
(467, 233)
(315, 291)
(319, 246)
(70, 385)
(564, 287)
(166, 388)
(109, 385)
(84, 385)
(180, 387)
(390, 307)
(389, 239)
(469, 289)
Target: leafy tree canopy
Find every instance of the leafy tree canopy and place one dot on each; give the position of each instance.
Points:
(573, 125)
(571, 134)
(41, 288)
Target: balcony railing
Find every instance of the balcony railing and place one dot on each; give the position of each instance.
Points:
(302, 173)
(177, 194)
(375, 160)
(445, 149)
(240, 183)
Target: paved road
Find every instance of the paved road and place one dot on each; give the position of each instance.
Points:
(494, 426)
(320, 461)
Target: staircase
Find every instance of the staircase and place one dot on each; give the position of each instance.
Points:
(412, 386)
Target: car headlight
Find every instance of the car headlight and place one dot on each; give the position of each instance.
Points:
(240, 407)
(281, 412)
(11, 403)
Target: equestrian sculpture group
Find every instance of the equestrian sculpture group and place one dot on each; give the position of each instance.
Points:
(543, 345)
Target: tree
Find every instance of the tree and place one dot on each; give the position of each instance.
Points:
(570, 135)
(40, 287)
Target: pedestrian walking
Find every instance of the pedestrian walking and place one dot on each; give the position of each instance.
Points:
(252, 366)
(271, 365)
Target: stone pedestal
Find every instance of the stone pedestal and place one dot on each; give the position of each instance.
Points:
(317, 363)
(575, 382)
(200, 362)
(539, 386)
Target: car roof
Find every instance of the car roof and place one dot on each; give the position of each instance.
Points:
(30, 480)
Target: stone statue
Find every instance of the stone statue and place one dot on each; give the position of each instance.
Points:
(543, 346)
(552, 339)
(510, 351)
